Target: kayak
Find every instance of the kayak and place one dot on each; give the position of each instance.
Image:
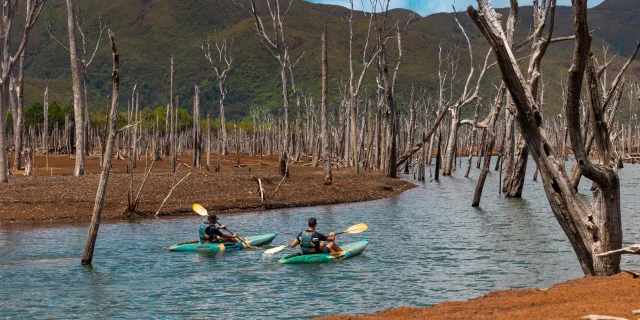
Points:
(348, 250)
(196, 246)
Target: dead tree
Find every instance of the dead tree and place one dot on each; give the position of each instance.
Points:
(197, 135)
(610, 104)
(445, 106)
(77, 94)
(368, 57)
(45, 129)
(92, 234)
(591, 230)
(33, 9)
(489, 124)
(542, 12)
(171, 145)
(328, 178)
(277, 45)
(208, 142)
(387, 84)
(468, 95)
(221, 65)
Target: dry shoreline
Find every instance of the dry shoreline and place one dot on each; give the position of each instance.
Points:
(611, 296)
(55, 195)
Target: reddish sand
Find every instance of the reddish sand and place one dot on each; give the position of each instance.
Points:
(612, 296)
(54, 194)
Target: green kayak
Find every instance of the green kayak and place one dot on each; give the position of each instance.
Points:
(197, 246)
(348, 250)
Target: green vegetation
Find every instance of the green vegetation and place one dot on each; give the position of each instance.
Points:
(149, 32)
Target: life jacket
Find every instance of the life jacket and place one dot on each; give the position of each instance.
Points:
(204, 238)
(306, 242)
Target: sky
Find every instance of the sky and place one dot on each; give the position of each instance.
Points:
(427, 7)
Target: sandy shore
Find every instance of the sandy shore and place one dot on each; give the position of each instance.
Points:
(55, 195)
(611, 296)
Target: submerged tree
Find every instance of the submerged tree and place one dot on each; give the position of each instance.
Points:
(591, 230)
(92, 234)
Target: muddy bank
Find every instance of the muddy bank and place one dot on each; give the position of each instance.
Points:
(55, 195)
(611, 296)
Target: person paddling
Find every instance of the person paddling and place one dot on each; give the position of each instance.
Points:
(210, 233)
(311, 241)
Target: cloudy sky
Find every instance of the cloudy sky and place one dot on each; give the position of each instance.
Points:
(426, 7)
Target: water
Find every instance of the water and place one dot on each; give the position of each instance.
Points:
(427, 246)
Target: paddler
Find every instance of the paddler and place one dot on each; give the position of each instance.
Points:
(311, 241)
(210, 233)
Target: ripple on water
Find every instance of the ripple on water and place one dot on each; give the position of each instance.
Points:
(427, 246)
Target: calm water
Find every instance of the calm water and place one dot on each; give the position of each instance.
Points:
(427, 246)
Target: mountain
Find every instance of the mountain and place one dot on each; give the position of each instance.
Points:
(149, 32)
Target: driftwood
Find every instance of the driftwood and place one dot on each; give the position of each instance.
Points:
(171, 191)
(132, 205)
(263, 197)
(599, 317)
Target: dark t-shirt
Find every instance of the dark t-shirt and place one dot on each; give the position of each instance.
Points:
(212, 232)
(315, 239)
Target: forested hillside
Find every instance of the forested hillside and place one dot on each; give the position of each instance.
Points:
(151, 31)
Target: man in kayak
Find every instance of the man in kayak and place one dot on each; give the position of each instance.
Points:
(311, 241)
(212, 233)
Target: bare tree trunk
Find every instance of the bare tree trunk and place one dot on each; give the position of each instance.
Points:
(77, 93)
(223, 123)
(438, 156)
(208, 143)
(328, 177)
(197, 151)
(513, 187)
(45, 130)
(449, 156)
(92, 234)
(172, 125)
(509, 149)
(590, 230)
(19, 115)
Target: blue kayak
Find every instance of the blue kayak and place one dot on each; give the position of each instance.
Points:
(197, 246)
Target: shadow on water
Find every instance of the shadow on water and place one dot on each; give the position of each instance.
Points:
(428, 245)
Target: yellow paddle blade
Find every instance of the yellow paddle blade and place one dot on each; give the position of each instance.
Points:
(275, 250)
(358, 228)
(199, 209)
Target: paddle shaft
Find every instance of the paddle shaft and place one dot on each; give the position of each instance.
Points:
(236, 235)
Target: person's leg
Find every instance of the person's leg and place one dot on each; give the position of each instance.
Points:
(323, 248)
(333, 247)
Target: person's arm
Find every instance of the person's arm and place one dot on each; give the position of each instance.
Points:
(294, 243)
(224, 236)
(331, 237)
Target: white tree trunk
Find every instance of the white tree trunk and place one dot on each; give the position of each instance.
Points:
(77, 99)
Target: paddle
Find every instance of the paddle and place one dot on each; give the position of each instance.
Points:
(203, 212)
(358, 228)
